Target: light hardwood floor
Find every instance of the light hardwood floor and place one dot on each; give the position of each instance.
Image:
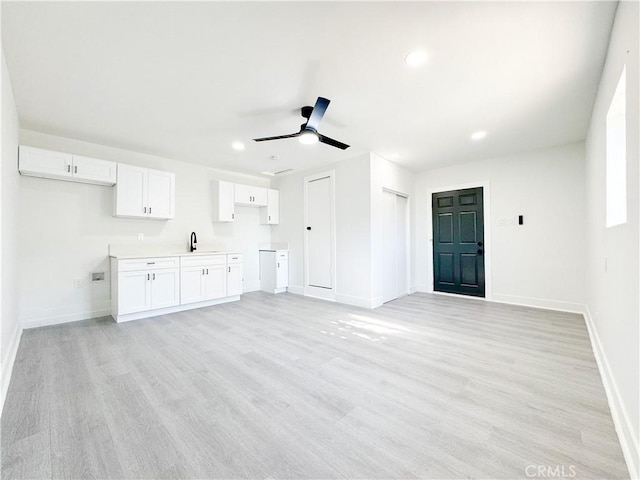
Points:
(290, 387)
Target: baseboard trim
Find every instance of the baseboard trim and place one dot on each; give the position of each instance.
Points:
(624, 427)
(7, 364)
(355, 301)
(558, 305)
(297, 289)
(58, 319)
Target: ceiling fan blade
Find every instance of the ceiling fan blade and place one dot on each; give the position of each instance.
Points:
(276, 138)
(332, 142)
(317, 113)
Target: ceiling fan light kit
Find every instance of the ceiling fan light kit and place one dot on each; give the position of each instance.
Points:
(308, 133)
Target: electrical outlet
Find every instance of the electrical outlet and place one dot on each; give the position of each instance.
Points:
(141, 236)
(77, 283)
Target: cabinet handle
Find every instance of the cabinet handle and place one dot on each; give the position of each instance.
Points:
(207, 271)
(154, 276)
(151, 263)
(229, 269)
(149, 210)
(145, 209)
(269, 217)
(233, 215)
(278, 264)
(148, 277)
(68, 168)
(75, 169)
(203, 271)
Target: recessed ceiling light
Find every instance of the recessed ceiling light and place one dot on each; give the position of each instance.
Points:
(308, 138)
(237, 146)
(478, 135)
(415, 59)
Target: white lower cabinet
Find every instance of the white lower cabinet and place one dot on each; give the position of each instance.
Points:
(234, 275)
(145, 287)
(203, 278)
(274, 270)
(146, 284)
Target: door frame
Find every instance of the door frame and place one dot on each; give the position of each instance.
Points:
(310, 290)
(486, 199)
(407, 214)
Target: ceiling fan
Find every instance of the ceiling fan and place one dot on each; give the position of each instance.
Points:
(309, 131)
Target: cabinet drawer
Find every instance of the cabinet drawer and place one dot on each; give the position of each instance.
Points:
(236, 258)
(148, 263)
(203, 260)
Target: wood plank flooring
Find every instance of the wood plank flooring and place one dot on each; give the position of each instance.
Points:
(284, 386)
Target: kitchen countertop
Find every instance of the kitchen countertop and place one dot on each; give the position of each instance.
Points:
(149, 250)
(172, 254)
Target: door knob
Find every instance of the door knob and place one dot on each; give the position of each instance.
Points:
(308, 228)
(479, 251)
(479, 244)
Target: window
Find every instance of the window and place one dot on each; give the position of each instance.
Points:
(617, 155)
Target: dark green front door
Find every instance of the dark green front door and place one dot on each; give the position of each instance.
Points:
(458, 242)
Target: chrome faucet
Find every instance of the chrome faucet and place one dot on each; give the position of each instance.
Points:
(194, 241)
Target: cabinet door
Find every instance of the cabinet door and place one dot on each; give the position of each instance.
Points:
(92, 170)
(242, 194)
(282, 273)
(223, 202)
(161, 194)
(134, 292)
(45, 163)
(192, 281)
(259, 196)
(131, 191)
(234, 279)
(215, 282)
(165, 288)
(270, 215)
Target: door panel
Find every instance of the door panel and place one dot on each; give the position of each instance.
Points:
(319, 257)
(234, 279)
(39, 162)
(134, 292)
(191, 285)
(402, 250)
(131, 191)
(215, 282)
(458, 242)
(165, 288)
(389, 248)
(161, 192)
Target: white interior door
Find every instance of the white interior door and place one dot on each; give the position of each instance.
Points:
(319, 254)
(395, 257)
(402, 245)
(389, 240)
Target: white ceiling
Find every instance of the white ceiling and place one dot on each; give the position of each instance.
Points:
(185, 80)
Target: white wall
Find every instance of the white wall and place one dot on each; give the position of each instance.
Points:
(353, 228)
(540, 263)
(387, 175)
(9, 187)
(66, 228)
(612, 253)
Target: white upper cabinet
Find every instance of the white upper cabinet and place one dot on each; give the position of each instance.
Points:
(93, 170)
(161, 192)
(250, 195)
(38, 162)
(223, 201)
(270, 215)
(144, 193)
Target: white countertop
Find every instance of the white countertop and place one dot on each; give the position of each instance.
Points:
(142, 250)
(172, 254)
